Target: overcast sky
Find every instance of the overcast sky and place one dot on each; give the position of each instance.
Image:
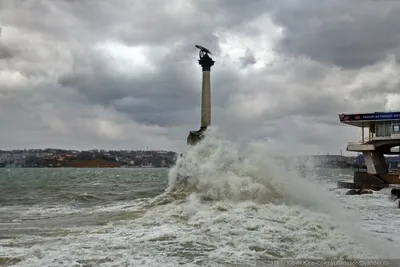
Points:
(123, 74)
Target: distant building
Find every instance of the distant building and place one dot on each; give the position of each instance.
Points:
(19, 162)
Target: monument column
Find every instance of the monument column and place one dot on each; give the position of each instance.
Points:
(206, 63)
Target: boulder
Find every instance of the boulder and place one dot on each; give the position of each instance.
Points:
(364, 191)
(352, 192)
(395, 193)
(359, 192)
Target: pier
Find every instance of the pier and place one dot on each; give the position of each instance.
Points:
(380, 132)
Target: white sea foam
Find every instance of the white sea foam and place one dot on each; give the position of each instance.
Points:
(217, 171)
(238, 206)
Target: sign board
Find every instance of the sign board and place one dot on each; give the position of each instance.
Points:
(377, 116)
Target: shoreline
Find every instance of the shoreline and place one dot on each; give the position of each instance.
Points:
(84, 164)
(82, 167)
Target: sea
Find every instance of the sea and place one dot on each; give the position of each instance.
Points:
(221, 205)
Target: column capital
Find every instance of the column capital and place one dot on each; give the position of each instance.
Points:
(206, 62)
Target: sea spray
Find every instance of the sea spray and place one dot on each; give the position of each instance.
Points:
(184, 227)
(216, 170)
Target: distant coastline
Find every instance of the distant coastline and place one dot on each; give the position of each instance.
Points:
(96, 163)
(58, 158)
(70, 164)
(53, 158)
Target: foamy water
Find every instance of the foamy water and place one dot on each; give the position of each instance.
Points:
(238, 208)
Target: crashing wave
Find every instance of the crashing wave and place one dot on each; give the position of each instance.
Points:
(216, 170)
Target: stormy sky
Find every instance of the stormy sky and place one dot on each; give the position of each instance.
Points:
(123, 74)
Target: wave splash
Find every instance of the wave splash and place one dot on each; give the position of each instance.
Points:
(217, 170)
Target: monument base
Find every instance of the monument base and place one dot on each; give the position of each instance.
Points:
(352, 185)
(364, 180)
(367, 178)
(196, 136)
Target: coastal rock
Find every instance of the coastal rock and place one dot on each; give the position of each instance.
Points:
(395, 195)
(365, 191)
(352, 192)
(359, 192)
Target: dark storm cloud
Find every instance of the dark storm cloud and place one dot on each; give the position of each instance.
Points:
(350, 34)
(72, 92)
(171, 88)
(155, 98)
(168, 97)
(247, 59)
(151, 22)
(5, 52)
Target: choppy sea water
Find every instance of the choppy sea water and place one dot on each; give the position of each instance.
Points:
(240, 208)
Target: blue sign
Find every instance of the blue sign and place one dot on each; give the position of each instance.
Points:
(377, 116)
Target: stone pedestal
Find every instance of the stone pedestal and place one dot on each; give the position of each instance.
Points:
(195, 137)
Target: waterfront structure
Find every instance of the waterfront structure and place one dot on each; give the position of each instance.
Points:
(206, 63)
(381, 135)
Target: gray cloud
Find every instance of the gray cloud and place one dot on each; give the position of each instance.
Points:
(114, 74)
(248, 59)
(350, 34)
(5, 52)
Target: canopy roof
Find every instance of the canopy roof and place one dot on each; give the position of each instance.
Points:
(366, 119)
